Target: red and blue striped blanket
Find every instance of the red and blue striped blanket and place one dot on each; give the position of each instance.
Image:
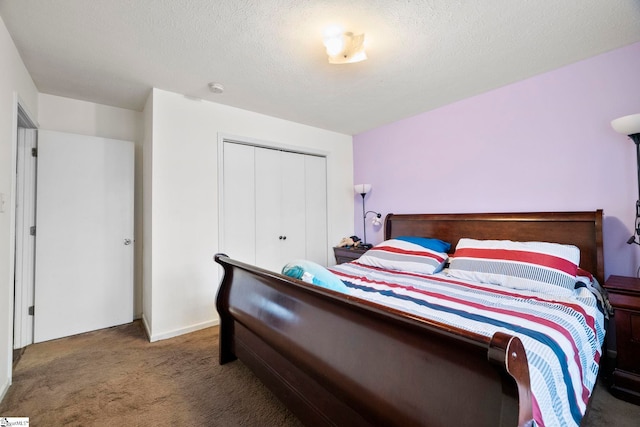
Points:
(562, 336)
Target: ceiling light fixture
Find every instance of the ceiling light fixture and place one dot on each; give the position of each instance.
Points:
(344, 47)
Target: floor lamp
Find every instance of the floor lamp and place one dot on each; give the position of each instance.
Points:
(630, 126)
(363, 189)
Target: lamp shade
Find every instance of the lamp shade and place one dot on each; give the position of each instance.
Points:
(627, 125)
(344, 48)
(362, 188)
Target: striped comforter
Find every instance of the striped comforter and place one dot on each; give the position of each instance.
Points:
(562, 336)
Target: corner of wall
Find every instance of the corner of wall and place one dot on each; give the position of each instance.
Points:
(147, 168)
(4, 388)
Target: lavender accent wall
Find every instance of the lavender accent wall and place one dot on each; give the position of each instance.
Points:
(542, 144)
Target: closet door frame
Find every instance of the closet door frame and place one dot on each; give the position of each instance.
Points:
(237, 139)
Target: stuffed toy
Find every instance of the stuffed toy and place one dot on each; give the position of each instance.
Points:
(347, 242)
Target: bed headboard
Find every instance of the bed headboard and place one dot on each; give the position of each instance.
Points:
(582, 229)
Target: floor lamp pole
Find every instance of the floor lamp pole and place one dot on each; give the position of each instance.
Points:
(364, 222)
(636, 139)
(630, 126)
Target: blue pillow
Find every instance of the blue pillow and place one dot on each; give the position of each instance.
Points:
(427, 242)
(310, 272)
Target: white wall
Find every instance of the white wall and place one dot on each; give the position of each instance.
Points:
(86, 118)
(15, 84)
(147, 248)
(183, 186)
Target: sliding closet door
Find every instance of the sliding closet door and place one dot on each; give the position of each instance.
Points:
(238, 204)
(315, 178)
(280, 207)
(274, 206)
(292, 207)
(267, 207)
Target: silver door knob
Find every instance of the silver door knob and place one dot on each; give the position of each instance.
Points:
(127, 242)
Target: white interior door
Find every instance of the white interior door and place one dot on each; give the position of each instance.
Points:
(84, 235)
(25, 241)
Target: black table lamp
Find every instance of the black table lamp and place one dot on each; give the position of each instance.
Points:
(630, 126)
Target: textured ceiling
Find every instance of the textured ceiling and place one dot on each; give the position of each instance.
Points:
(269, 56)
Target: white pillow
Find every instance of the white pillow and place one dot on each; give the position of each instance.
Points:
(536, 266)
(408, 253)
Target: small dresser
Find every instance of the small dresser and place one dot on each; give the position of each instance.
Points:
(624, 295)
(347, 254)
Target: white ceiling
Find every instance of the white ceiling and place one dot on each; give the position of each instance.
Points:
(269, 56)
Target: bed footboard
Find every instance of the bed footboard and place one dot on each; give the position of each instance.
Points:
(343, 361)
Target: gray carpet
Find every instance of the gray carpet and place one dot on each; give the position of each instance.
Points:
(116, 377)
(607, 410)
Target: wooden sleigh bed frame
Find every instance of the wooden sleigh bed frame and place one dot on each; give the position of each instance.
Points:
(336, 360)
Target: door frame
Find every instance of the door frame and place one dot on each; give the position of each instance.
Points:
(22, 266)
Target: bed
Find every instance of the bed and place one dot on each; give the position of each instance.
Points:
(336, 359)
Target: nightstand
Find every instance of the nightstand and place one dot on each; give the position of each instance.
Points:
(345, 254)
(624, 295)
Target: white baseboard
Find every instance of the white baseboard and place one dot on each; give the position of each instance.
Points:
(179, 331)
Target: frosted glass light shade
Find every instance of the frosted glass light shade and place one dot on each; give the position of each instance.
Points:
(627, 125)
(344, 48)
(362, 188)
